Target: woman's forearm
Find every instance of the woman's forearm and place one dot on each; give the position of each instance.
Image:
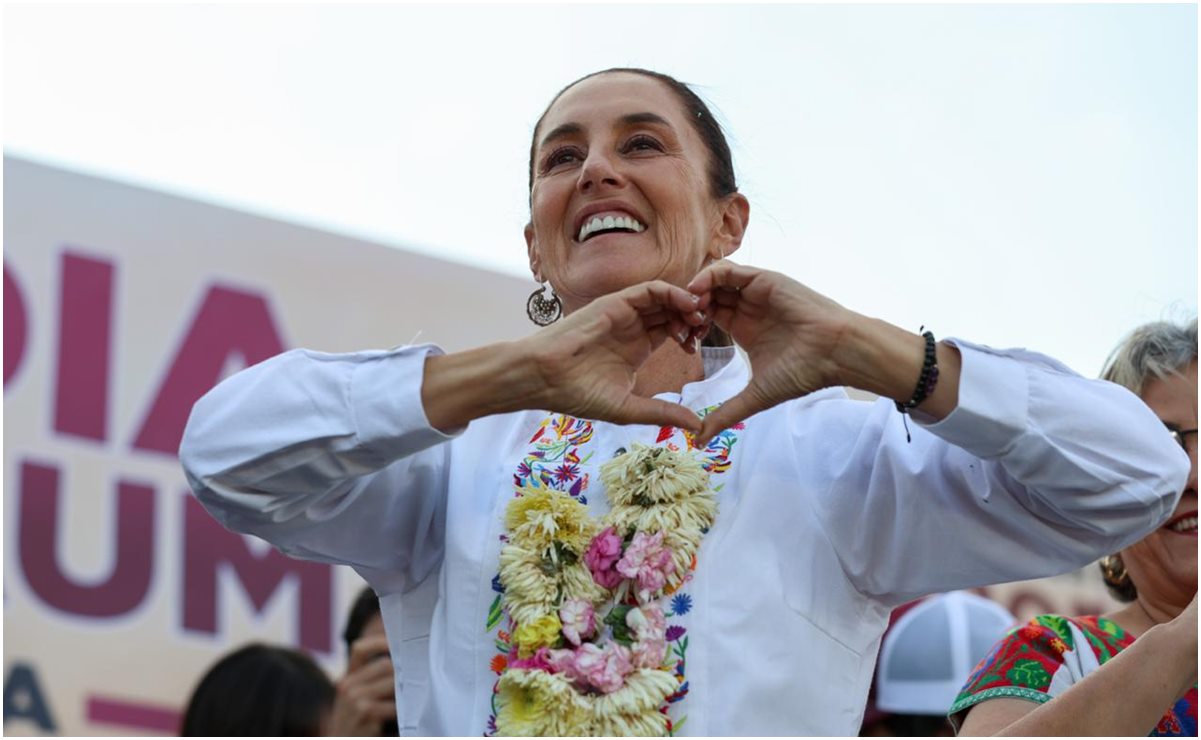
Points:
(461, 387)
(878, 357)
(1125, 697)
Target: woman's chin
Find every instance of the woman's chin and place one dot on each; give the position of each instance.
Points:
(602, 277)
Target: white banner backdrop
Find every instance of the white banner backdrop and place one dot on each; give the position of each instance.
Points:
(121, 307)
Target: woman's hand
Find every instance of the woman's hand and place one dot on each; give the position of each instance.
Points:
(584, 365)
(586, 362)
(790, 334)
(799, 341)
(366, 695)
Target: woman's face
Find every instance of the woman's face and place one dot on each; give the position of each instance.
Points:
(1163, 565)
(621, 192)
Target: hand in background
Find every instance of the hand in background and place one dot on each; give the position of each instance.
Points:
(365, 696)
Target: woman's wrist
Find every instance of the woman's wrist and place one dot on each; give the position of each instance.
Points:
(463, 386)
(875, 356)
(1175, 643)
(881, 358)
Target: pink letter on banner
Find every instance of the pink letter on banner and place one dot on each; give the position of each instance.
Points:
(38, 545)
(85, 322)
(207, 545)
(230, 322)
(16, 326)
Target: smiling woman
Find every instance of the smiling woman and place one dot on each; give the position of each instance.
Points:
(632, 534)
(631, 147)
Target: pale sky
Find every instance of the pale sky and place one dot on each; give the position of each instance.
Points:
(1015, 175)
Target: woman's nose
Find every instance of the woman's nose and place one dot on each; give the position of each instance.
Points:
(598, 173)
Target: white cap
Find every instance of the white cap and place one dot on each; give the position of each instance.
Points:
(931, 649)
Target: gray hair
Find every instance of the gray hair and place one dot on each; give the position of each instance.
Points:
(1154, 350)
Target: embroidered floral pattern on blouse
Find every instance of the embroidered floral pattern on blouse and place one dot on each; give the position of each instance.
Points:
(1025, 663)
(558, 461)
(554, 459)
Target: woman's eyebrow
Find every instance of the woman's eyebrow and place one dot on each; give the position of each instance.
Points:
(566, 129)
(630, 119)
(634, 119)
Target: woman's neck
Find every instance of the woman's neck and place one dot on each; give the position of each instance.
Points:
(667, 370)
(1143, 613)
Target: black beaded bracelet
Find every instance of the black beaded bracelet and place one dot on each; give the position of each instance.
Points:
(927, 380)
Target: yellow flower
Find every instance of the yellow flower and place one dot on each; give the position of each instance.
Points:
(534, 703)
(576, 582)
(529, 590)
(542, 632)
(644, 724)
(539, 517)
(644, 691)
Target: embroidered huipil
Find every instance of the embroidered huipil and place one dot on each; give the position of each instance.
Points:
(1050, 654)
(826, 516)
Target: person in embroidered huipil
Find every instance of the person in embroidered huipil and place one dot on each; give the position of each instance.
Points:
(599, 529)
(1060, 675)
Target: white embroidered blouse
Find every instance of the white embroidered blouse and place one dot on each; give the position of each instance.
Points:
(827, 516)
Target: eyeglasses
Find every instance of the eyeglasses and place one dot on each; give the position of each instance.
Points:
(1180, 436)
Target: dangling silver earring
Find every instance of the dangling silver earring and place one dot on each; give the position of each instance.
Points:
(542, 310)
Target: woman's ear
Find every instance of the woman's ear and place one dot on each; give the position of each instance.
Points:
(735, 214)
(532, 248)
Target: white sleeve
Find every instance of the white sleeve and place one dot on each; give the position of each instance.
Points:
(329, 457)
(1038, 471)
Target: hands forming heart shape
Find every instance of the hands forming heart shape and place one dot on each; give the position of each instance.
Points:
(587, 362)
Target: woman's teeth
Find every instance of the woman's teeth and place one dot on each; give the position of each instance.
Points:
(610, 223)
(1188, 524)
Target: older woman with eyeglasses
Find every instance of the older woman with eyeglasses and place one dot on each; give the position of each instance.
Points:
(1087, 675)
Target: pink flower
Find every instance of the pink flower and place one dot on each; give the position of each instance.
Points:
(602, 554)
(604, 669)
(578, 620)
(647, 622)
(562, 661)
(649, 561)
(592, 667)
(649, 629)
(648, 653)
(539, 661)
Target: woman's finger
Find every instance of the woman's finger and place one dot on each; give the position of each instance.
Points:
(654, 319)
(729, 298)
(745, 404)
(658, 294)
(636, 410)
(657, 336)
(723, 274)
(679, 330)
(367, 649)
(382, 688)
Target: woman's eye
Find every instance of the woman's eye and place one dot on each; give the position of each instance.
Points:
(643, 143)
(561, 156)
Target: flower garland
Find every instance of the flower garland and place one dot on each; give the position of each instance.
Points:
(570, 670)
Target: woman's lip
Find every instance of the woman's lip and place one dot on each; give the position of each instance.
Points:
(601, 207)
(1176, 519)
(602, 238)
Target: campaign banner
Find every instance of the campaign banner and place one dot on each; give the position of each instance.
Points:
(122, 306)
